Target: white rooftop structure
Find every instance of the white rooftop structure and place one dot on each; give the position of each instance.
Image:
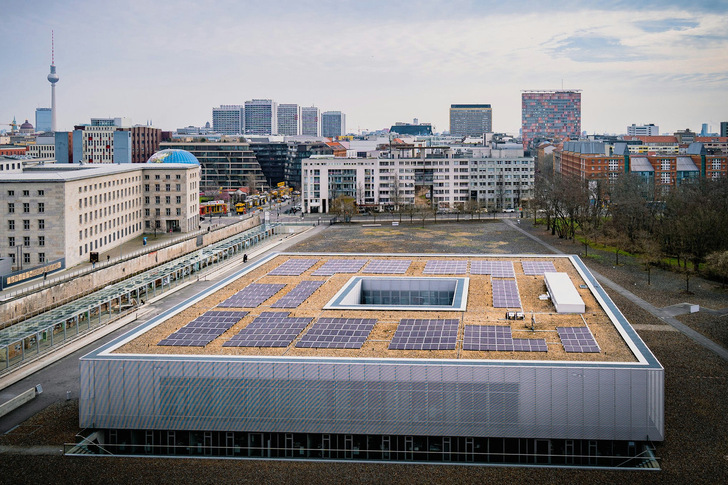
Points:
(563, 294)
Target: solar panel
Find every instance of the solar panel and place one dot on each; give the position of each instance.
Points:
(252, 295)
(497, 269)
(577, 339)
(203, 329)
(487, 337)
(269, 329)
(438, 266)
(337, 333)
(529, 345)
(293, 267)
(505, 294)
(386, 266)
(298, 294)
(537, 267)
(499, 338)
(425, 334)
(333, 266)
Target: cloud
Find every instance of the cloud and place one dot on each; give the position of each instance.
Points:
(594, 48)
(666, 25)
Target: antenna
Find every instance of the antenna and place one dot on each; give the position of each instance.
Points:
(53, 48)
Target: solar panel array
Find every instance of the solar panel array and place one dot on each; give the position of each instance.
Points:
(269, 329)
(577, 339)
(252, 295)
(298, 294)
(438, 266)
(293, 267)
(505, 294)
(203, 329)
(425, 334)
(499, 338)
(333, 266)
(386, 266)
(337, 333)
(497, 269)
(537, 267)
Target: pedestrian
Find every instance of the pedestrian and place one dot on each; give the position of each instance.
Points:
(45, 275)
(245, 258)
(108, 258)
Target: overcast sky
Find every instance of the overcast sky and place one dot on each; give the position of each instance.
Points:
(649, 61)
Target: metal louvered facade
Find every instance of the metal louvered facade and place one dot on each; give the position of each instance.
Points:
(409, 398)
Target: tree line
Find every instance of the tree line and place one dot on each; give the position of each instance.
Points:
(687, 223)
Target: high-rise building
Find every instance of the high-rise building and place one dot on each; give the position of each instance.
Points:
(43, 119)
(550, 114)
(261, 117)
(228, 164)
(310, 121)
(53, 79)
(724, 128)
(471, 119)
(289, 119)
(333, 124)
(228, 119)
(643, 130)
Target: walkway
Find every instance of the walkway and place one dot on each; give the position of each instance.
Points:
(662, 314)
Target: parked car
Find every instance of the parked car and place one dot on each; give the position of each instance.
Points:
(509, 210)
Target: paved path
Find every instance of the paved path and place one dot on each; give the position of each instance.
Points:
(660, 313)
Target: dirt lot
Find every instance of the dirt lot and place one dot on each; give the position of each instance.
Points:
(696, 390)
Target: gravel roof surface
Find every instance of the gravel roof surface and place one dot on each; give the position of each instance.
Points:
(696, 391)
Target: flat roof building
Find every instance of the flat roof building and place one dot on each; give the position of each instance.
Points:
(406, 357)
(419, 177)
(471, 119)
(66, 211)
(310, 121)
(289, 119)
(261, 117)
(228, 119)
(643, 130)
(333, 124)
(550, 115)
(229, 163)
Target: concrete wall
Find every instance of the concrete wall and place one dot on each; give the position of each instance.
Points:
(104, 276)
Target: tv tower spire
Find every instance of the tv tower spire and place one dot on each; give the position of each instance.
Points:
(53, 79)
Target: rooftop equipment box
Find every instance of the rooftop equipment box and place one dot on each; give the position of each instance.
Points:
(563, 293)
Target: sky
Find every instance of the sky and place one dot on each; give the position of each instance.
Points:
(169, 62)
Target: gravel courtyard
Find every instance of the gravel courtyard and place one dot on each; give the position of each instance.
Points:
(696, 385)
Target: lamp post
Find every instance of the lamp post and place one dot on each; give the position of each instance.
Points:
(19, 253)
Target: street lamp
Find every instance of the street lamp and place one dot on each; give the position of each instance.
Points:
(19, 253)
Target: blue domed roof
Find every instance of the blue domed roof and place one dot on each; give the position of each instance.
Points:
(173, 156)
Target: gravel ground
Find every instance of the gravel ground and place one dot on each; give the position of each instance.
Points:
(696, 390)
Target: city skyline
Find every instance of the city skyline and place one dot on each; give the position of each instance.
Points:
(656, 62)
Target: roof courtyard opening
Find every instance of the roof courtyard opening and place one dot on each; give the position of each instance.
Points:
(400, 293)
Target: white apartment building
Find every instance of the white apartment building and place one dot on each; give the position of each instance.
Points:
(102, 141)
(228, 119)
(643, 130)
(44, 147)
(289, 119)
(261, 117)
(64, 212)
(496, 178)
(310, 121)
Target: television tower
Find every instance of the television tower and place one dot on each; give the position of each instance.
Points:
(53, 79)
